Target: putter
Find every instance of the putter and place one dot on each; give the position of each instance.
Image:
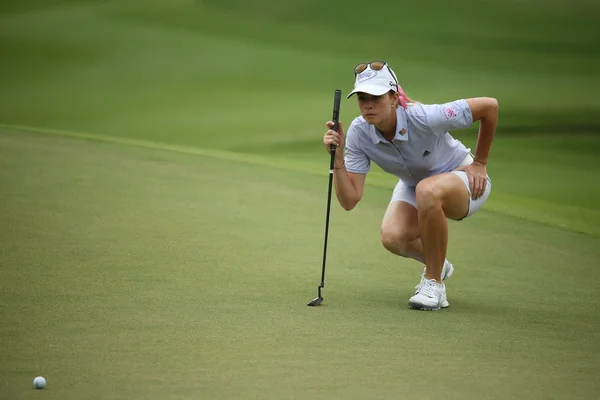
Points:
(336, 115)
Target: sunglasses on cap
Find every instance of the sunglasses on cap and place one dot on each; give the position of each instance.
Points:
(375, 66)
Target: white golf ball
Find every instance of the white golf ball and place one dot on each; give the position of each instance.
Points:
(39, 382)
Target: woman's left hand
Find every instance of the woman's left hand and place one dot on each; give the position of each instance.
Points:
(477, 178)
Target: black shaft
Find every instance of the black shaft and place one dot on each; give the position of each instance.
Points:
(329, 190)
(336, 115)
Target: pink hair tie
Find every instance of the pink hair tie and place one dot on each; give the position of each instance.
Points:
(402, 97)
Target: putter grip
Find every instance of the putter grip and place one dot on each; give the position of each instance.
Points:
(336, 115)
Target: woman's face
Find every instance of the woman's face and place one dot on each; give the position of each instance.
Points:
(376, 109)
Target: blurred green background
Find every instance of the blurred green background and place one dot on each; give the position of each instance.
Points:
(173, 252)
(189, 66)
(258, 78)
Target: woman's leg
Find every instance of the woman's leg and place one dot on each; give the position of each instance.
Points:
(400, 232)
(439, 197)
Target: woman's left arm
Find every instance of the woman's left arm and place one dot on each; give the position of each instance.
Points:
(484, 109)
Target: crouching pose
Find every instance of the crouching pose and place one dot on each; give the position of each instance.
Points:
(439, 178)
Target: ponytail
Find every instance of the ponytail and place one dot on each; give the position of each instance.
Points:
(403, 98)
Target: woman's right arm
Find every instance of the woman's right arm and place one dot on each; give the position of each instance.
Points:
(348, 186)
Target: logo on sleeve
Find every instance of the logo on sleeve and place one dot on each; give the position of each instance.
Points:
(449, 112)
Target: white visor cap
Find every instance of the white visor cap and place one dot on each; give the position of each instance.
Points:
(375, 83)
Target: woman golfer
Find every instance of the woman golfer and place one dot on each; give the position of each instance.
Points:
(438, 177)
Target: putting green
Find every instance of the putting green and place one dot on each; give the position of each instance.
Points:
(162, 191)
(131, 272)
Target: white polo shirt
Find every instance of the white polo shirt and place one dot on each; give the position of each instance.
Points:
(422, 146)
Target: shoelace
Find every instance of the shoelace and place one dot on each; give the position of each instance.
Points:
(422, 281)
(428, 288)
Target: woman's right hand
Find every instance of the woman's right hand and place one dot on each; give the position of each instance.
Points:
(335, 138)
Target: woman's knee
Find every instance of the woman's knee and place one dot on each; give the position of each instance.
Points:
(397, 241)
(445, 191)
(428, 193)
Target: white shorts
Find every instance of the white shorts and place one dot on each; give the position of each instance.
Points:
(405, 193)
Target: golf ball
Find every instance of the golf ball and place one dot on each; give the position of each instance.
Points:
(39, 382)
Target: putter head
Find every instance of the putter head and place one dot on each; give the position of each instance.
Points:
(315, 302)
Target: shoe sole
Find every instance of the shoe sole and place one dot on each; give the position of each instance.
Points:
(418, 306)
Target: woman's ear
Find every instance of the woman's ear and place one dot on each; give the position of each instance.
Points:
(394, 98)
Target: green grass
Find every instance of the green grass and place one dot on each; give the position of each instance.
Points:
(143, 68)
(140, 273)
(162, 191)
(259, 80)
(544, 178)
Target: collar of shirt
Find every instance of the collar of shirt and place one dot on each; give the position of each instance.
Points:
(401, 128)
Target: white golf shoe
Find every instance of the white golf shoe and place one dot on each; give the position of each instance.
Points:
(430, 296)
(447, 272)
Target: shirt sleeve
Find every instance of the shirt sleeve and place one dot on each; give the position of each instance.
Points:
(442, 118)
(356, 160)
